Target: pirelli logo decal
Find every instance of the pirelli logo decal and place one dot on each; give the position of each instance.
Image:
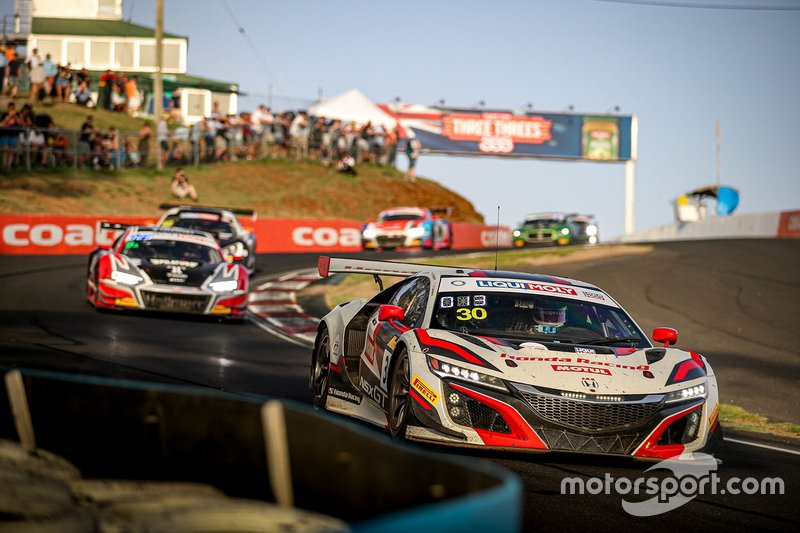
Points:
(425, 390)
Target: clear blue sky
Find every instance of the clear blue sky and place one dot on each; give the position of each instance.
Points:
(678, 69)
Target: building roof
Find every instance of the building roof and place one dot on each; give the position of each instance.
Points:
(98, 28)
(174, 81)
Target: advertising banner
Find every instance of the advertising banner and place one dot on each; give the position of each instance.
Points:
(789, 225)
(505, 133)
(59, 235)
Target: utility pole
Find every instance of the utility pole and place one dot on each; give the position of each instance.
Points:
(719, 163)
(158, 87)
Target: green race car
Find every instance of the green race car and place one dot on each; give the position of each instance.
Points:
(557, 229)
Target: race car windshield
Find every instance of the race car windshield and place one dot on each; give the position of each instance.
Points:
(171, 249)
(398, 216)
(535, 317)
(542, 222)
(219, 228)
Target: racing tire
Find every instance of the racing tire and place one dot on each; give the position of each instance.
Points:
(320, 367)
(399, 406)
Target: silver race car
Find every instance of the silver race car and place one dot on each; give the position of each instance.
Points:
(237, 242)
(166, 269)
(508, 360)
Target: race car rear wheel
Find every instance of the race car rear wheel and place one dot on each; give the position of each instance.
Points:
(398, 395)
(320, 366)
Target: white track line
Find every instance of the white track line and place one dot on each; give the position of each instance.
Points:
(755, 444)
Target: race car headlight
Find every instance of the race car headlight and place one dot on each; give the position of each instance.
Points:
(369, 233)
(224, 286)
(449, 370)
(235, 249)
(591, 229)
(126, 278)
(517, 233)
(564, 231)
(690, 393)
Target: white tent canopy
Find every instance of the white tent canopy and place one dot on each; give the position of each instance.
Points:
(352, 106)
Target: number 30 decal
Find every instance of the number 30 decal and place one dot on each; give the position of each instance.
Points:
(476, 313)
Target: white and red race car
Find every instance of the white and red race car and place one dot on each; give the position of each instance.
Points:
(407, 227)
(175, 270)
(509, 360)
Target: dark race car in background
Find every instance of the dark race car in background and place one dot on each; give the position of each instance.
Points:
(237, 242)
(556, 229)
(508, 360)
(166, 269)
(408, 227)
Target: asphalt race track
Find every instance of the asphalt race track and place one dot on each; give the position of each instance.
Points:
(736, 302)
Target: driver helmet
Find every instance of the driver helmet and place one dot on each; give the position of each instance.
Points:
(550, 315)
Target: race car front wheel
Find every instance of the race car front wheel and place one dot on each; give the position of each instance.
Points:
(319, 369)
(398, 395)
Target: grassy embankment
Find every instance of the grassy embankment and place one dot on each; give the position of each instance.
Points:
(275, 188)
(351, 286)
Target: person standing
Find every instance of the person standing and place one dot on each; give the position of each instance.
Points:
(3, 67)
(50, 72)
(145, 136)
(299, 133)
(162, 136)
(413, 148)
(36, 71)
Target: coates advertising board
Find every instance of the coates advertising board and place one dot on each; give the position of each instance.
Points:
(64, 235)
(503, 133)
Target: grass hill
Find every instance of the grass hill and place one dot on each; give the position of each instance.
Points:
(275, 188)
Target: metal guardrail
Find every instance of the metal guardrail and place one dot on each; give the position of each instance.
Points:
(29, 148)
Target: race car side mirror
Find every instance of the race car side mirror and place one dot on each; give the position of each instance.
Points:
(391, 312)
(668, 336)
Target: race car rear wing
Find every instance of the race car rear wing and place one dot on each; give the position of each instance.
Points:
(235, 210)
(114, 225)
(337, 265)
(441, 211)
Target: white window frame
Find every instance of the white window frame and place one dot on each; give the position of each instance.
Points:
(137, 43)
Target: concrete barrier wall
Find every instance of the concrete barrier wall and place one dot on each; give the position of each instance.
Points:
(60, 235)
(761, 225)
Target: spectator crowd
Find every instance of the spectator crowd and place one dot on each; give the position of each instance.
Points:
(31, 140)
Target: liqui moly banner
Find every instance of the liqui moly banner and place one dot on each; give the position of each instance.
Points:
(518, 134)
(60, 235)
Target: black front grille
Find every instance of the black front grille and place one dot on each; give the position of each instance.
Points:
(472, 413)
(540, 235)
(385, 241)
(183, 303)
(590, 416)
(557, 439)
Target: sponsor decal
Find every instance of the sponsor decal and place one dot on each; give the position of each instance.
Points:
(527, 285)
(375, 393)
(198, 216)
(424, 389)
(577, 360)
(326, 237)
(392, 343)
(594, 295)
(496, 132)
(458, 283)
(174, 263)
(177, 275)
(587, 369)
(578, 349)
(590, 383)
(714, 414)
(344, 395)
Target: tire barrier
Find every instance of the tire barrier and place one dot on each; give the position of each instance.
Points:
(138, 456)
